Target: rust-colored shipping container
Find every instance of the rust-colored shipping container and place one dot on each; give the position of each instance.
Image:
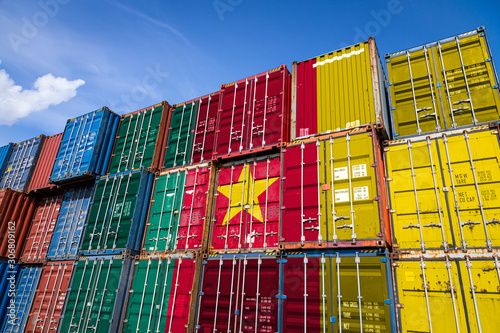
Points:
(204, 130)
(16, 213)
(49, 297)
(42, 226)
(39, 184)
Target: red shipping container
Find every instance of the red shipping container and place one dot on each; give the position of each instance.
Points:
(204, 131)
(39, 183)
(254, 114)
(246, 213)
(40, 234)
(16, 214)
(49, 297)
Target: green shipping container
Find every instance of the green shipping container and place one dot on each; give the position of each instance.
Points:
(140, 139)
(96, 295)
(180, 134)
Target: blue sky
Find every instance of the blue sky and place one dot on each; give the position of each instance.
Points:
(63, 58)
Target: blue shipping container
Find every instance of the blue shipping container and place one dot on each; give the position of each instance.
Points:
(68, 230)
(21, 164)
(25, 291)
(9, 275)
(85, 147)
(4, 157)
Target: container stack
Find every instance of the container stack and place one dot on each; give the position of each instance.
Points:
(442, 173)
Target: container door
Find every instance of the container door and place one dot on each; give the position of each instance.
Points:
(18, 170)
(180, 136)
(430, 296)
(306, 101)
(180, 295)
(481, 283)
(206, 125)
(299, 221)
(471, 171)
(161, 232)
(192, 216)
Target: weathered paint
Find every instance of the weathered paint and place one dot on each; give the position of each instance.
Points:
(204, 130)
(246, 205)
(39, 184)
(254, 114)
(140, 139)
(5, 152)
(21, 164)
(443, 190)
(68, 230)
(334, 192)
(85, 147)
(49, 298)
(443, 85)
(239, 293)
(42, 227)
(178, 206)
(9, 275)
(118, 213)
(340, 90)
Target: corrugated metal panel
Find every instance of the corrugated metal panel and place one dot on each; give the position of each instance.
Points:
(443, 190)
(68, 230)
(42, 226)
(254, 114)
(443, 85)
(49, 297)
(160, 288)
(334, 192)
(97, 292)
(9, 275)
(25, 290)
(5, 152)
(39, 183)
(85, 147)
(22, 161)
(339, 90)
(139, 139)
(16, 214)
(247, 205)
(336, 292)
(204, 130)
(180, 134)
(118, 213)
(239, 294)
(177, 216)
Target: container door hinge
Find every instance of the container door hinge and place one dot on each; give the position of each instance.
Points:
(383, 260)
(387, 301)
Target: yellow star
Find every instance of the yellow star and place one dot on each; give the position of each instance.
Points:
(236, 196)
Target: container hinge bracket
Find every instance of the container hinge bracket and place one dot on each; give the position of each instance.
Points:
(495, 86)
(312, 228)
(470, 223)
(494, 221)
(390, 84)
(387, 301)
(341, 217)
(432, 225)
(425, 108)
(428, 115)
(345, 226)
(488, 60)
(383, 260)
(459, 109)
(411, 226)
(308, 220)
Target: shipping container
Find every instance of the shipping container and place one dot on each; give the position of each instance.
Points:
(85, 148)
(239, 293)
(5, 152)
(16, 214)
(336, 291)
(339, 90)
(22, 161)
(254, 114)
(68, 230)
(140, 139)
(118, 213)
(204, 130)
(160, 295)
(450, 293)
(181, 124)
(39, 183)
(443, 85)
(49, 297)
(247, 206)
(25, 291)
(42, 227)
(334, 192)
(178, 208)
(9, 275)
(442, 190)
(97, 293)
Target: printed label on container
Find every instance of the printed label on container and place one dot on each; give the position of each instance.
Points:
(340, 173)
(342, 195)
(360, 193)
(359, 171)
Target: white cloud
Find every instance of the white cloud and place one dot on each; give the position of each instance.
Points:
(48, 90)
